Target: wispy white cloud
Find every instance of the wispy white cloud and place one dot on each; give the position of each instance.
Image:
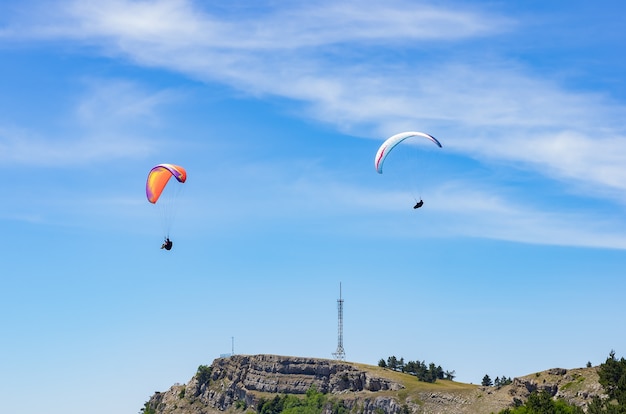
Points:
(456, 209)
(181, 35)
(367, 68)
(476, 212)
(29, 148)
(177, 24)
(591, 160)
(101, 128)
(487, 109)
(117, 101)
(312, 198)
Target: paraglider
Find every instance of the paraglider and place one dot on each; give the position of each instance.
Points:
(167, 244)
(158, 178)
(160, 193)
(391, 143)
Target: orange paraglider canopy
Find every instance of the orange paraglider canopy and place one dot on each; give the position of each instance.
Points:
(159, 177)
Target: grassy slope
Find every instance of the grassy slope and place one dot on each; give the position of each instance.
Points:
(454, 393)
(449, 397)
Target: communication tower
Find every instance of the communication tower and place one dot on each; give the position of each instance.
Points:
(340, 353)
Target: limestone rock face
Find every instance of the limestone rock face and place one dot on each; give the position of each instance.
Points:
(295, 375)
(237, 384)
(242, 377)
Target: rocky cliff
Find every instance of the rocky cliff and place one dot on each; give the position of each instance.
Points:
(238, 383)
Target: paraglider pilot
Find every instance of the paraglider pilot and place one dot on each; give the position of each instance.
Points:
(167, 244)
(418, 205)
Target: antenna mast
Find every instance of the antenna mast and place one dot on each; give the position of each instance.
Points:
(340, 353)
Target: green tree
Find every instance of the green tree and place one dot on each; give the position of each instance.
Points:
(486, 381)
(392, 362)
(313, 403)
(596, 406)
(430, 373)
(292, 404)
(273, 406)
(204, 374)
(439, 372)
(501, 382)
(401, 364)
(543, 403)
(337, 407)
(612, 377)
(147, 409)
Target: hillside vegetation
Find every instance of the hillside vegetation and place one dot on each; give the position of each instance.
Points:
(270, 384)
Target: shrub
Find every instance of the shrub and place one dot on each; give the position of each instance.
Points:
(204, 374)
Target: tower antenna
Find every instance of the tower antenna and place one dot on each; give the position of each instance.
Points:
(340, 354)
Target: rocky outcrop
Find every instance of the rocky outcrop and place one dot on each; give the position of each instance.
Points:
(295, 375)
(241, 380)
(237, 384)
(576, 386)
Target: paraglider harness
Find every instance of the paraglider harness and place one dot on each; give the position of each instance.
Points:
(418, 204)
(167, 244)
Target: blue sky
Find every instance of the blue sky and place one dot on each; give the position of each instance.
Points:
(276, 109)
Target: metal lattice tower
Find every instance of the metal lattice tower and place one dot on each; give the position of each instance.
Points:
(340, 353)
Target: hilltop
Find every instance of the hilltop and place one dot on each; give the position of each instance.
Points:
(238, 383)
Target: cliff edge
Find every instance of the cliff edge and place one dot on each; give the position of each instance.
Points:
(238, 383)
